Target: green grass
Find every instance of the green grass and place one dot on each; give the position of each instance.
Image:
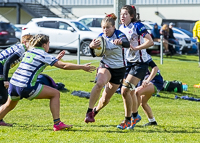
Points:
(178, 120)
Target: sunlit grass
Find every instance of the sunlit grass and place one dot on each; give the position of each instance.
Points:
(178, 120)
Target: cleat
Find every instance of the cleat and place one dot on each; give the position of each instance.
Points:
(150, 124)
(125, 124)
(2, 123)
(61, 126)
(134, 121)
(90, 117)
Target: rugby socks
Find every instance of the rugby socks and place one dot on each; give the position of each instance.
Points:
(128, 118)
(95, 111)
(89, 110)
(134, 114)
(56, 121)
(152, 120)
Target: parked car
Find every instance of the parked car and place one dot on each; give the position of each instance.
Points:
(92, 21)
(20, 26)
(18, 32)
(192, 50)
(7, 35)
(63, 33)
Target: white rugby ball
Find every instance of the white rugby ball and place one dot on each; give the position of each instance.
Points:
(102, 48)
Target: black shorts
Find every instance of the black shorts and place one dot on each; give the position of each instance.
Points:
(117, 75)
(3, 90)
(138, 70)
(3, 93)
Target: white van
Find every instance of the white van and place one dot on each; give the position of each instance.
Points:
(92, 21)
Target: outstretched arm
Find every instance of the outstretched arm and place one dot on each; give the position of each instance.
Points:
(70, 66)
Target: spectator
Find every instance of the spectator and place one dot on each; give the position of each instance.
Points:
(172, 39)
(165, 32)
(196, 35)
(156, 36)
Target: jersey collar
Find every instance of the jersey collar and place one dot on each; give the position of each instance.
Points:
(39, 48)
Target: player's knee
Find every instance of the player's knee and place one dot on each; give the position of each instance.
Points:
(124, 91)
(57, 94)
(100, 85)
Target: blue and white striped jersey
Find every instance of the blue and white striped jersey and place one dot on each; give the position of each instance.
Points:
(19, 49)
(113, 56)
(135, 32)
(34, 62)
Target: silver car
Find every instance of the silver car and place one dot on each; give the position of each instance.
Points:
(63, 33)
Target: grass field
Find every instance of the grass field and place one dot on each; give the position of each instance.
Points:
(178, 119)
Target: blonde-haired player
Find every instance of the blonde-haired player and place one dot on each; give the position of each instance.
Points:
(23, 83)
(111, 69)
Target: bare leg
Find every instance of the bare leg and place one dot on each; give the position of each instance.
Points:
(102, 78)
(165, 44)
(7, 107)
(134, 81)
(107, 94)
(146, 93)
(54, 96)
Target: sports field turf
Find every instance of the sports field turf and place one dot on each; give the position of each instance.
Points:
(178, 119)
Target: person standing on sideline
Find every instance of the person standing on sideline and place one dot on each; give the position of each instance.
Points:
(172, 39)
(112, 67)
(196, 35)
(137, 66)
(23, 83)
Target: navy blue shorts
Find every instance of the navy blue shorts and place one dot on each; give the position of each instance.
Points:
(158, 82)
(138, 70)
(16, 93)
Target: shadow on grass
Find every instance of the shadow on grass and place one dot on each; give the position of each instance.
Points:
(170, 129)
(138, 128)
(155, 129)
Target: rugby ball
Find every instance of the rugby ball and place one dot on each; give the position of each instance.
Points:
(99, 52)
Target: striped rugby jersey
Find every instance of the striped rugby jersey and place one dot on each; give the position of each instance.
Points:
(19, 49)
(33, 63)
(113, 56)
(135, 32)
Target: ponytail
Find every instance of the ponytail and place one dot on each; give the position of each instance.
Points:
(110, 18)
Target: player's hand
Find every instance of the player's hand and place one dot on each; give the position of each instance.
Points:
(145, 83)
(133, 48)
(60, 55)
(117, 42)
(6, 84)
(89, 68)
(95, 44)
